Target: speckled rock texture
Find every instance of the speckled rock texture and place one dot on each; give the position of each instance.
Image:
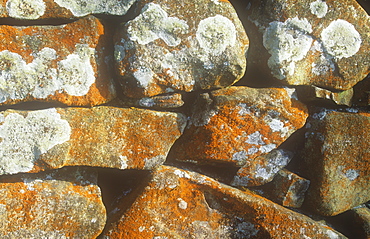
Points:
(175, 45)
(323, 43)
(60, 9)
(180, 204)
(337, 152)
(64, 63)
(237, 124)
(101, 137)
(65, 203)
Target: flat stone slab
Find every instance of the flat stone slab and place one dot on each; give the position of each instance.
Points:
(336, 161)
(61, 9)
(179, 204)
(32, 141)
(175, 45)
(63, 203)
(237, 124)
(322, 43)
(64, 63)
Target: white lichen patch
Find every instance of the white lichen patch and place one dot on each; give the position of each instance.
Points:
(287, 42)
(24, 139)
(154, 23)
(123, 161)
(39, 79)
(240, 157)
(276, 161)
(80, 8)
(255, 138)
(351, 174)
(182, 204)
(143, 76)
(25, 9)
(216, 33)
(319, 8)
(341, 39)
(323, 65)
(181, 174)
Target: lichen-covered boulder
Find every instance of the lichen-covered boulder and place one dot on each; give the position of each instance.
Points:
(64, 203)
(337, 161)
(180, 204)
(48, 9)
(237, 124)
(262, 169)
(32, 141)
(323, 43)
(175, 45)
(64, 63)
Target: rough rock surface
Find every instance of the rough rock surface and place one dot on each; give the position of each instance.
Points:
(47, 9)
(175, 45)
(287, 189)
(101, 137)
(262, 169)
(64, 63)
(64, 203)
(337, 160)
(237, 124)
(181, 204)
(323, 43)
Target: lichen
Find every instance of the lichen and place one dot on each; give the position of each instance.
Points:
(216, 33)
(287, 42)
(40, 79)
(319, 8)
(24, 139)
(143, 76)
(80, 8)
(153, 23)
(341, 39)
(25, 9)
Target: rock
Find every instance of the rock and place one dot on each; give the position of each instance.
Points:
(102, 137)
(49, 9)
(167, 101)
(180, 204)
(237, 124)
(64, 203)
(287, 189)
(322, 43)
(314, 93)
(262, 169)
(175, 45)
(361, 95)
(362, 219)
(336, 161)
(64, 63)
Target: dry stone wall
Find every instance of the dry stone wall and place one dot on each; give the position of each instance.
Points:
(184, 119)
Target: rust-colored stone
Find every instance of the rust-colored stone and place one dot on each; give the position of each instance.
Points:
(63, 63)
(102, 137)
(64, 203)
(180, 204)
(337, 161)
(236, 124)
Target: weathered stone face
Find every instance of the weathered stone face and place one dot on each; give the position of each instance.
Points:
(175, 45)
(336, 158)
(55, 63)
(100, 137)
(64, 203)
(323, 43)
(190, 205)
(237, 124)
(46, 9)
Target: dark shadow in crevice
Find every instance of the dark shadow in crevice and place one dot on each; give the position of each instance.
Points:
(33, 105)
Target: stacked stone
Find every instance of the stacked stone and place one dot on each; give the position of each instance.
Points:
(162, 86)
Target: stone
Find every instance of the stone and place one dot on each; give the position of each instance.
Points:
(314, 93)
(336, 160)
(63, 203)
(181, 204)
(61, 9)
(177, 46)
(262, 169)
(32, 141)
(168, 101)
(287, 189)
(237, 124)
(322, 43)
(64, 63)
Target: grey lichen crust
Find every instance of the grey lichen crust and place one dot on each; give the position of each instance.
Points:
(39, 79)
(25, 9)
(24, 139)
